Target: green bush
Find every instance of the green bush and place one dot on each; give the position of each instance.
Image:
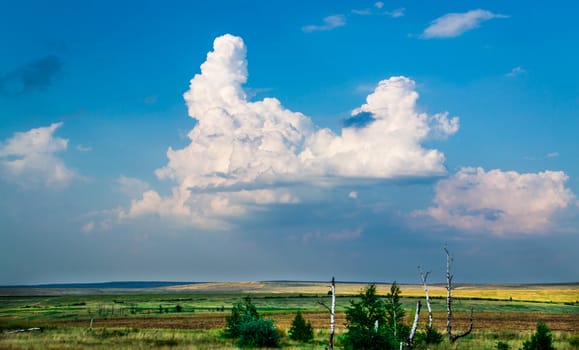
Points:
(258, 333)
(574, 341)
(301, 330)
(501, 345)
(251, 330)
(242, 312)
(433, 336)
(367, 324)
(541, 340)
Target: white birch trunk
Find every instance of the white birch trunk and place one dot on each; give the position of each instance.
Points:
(424, 277)
(414, 326)
(332, 314)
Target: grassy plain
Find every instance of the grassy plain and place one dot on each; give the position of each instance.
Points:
(191, 317)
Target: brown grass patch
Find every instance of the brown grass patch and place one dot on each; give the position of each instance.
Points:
(483, 321)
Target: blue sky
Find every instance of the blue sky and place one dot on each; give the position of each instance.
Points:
(258, 140)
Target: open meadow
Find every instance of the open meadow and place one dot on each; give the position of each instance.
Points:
(193, 316)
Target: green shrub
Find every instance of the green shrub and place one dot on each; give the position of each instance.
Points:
(242, 312)
(501, 345)
(367, 323)
(433, 336)
(574, 341)
(258, 333)
(300, 330)
(541, 340)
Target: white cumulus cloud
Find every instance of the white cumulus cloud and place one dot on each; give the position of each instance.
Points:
(500, 202)
(131, 186)
(245, 155)
(29, 158)
(330, 23)
(455, 24)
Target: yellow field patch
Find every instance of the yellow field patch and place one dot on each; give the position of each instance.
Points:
(519, 292)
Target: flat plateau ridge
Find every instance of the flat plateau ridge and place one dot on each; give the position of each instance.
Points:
(559, 293)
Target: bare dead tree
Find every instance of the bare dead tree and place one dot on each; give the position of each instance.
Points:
(332, 310)
(414, 326)
(452, 338)
(424, 277)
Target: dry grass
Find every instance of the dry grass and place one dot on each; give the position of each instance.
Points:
(483, 321)
(66, 314)
(517, 292)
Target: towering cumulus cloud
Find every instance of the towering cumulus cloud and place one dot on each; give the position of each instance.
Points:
(246, 154)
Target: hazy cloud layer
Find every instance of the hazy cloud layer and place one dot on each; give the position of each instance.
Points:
(455, 24)
(29, 158)
(32, 76)
(245, 155)
(329, 23)
(342, 235)
(501, 202)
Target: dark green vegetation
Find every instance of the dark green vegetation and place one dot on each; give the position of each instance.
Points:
(430, 336)
(301, 330)
(541, 340)
(250, 329)
(154, 319)
(367, 326)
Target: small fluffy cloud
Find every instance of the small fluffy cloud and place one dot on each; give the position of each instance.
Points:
(516, 71)
(500, 202)
(88, 227)
(378, 11)
(454, 24)
(330, 23)
(29, 158)
(245, 155)
(82, 148)
(396, 13)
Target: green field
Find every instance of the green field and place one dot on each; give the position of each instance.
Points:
(192, 317)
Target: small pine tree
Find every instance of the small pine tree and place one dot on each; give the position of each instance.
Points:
(541, 340)
(395, 313)
(433, 336)
(301, 330)
(366, 323)
(241, 312)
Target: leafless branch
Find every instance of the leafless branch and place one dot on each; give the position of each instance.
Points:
(452, 338)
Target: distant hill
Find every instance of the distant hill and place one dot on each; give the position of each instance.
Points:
(107, 285)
